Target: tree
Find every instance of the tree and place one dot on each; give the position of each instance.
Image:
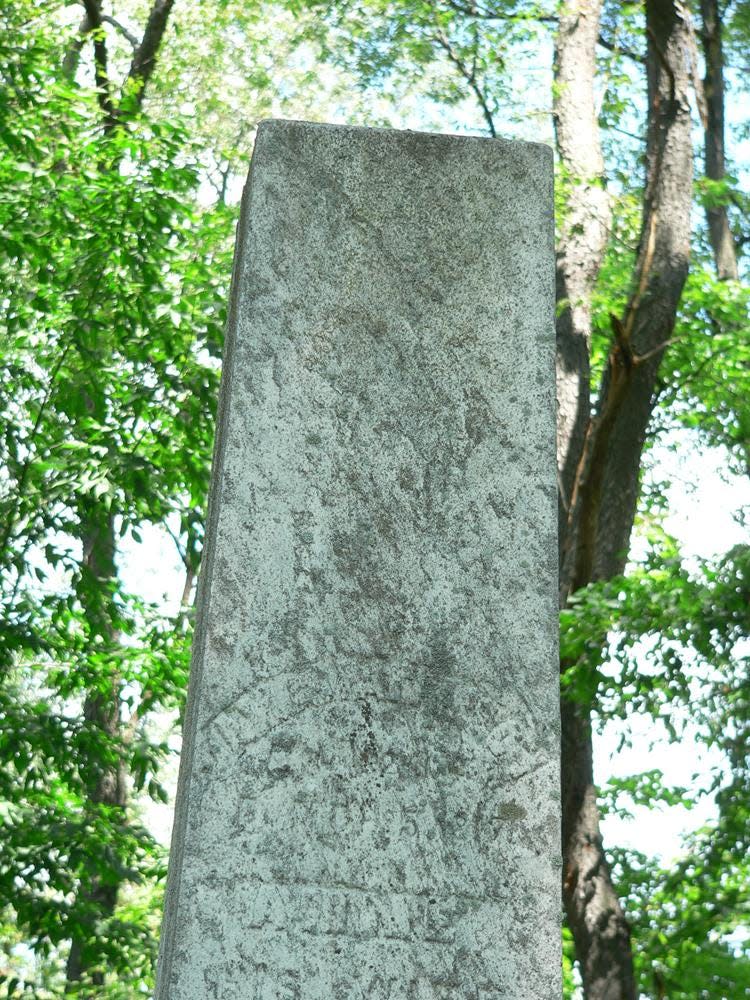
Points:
(114, 272)
(610, 363)
(601, 498)
(711, 102)
(686, 919)
(108, 401)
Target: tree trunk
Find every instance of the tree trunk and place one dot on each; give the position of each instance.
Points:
(592, 909)
(596, 526)
(602, 937)
(629, 387)
(719, 231)
(583, 231)
(106, 784)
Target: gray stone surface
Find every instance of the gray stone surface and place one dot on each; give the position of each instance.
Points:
(368, 802)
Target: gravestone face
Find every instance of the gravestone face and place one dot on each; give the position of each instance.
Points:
(368, 805)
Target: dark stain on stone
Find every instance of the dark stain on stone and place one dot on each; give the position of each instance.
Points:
(439, 680)
(441, 660)
(279, 773)
(407, 480)
(511, 811)
(284, 742)
(478, 418)
(378, 328)
(370, 748)
(503, 509)
(362, 740)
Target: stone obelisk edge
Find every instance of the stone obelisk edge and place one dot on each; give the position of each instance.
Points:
(203, 599)
(202, 603)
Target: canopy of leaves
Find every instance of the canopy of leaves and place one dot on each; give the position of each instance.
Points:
(114, 283)
(114, 267)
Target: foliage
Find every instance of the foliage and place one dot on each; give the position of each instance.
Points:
(678, 638)
(114, 268)
(114, 287)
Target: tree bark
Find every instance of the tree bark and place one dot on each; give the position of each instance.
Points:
(596, 527)
(583, 232)
(94, 15)
(144, 57)
(719, 230)
(593, 912)
(106, 784)
(629, 388)
(602, 937)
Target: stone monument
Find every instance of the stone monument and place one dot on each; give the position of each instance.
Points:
(368, 805)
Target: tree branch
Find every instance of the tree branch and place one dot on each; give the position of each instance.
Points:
(94, 15)
(620, 50)
(471, 9)
(471, 78)
(144, 58)
(722, 239)
(700, 92)
(73, 52)
(122, 29)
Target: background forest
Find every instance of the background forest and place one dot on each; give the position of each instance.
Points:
(126, 128)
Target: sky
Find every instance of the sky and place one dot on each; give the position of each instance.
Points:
(704, 501)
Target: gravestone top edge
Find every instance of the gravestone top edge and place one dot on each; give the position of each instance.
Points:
(363, 131)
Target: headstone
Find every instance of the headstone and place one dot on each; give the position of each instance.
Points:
(368, 806)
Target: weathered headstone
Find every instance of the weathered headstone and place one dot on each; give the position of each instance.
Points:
(368, 802)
